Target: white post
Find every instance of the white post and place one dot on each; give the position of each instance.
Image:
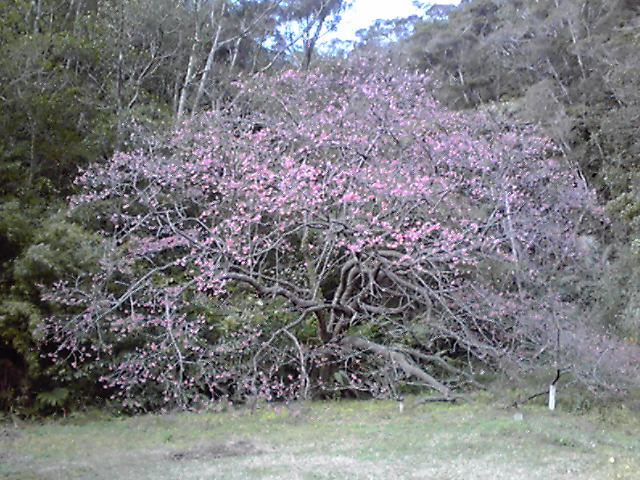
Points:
(552, 397)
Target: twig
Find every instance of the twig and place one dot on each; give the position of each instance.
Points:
(518, 403)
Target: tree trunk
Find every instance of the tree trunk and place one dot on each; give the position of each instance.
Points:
(188, 77)
(310, 45)
(187, 81)
(400, 360)
(210, 58)
(37, 7)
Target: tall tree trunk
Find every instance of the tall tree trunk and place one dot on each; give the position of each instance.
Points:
(310, 45)
(236, 51)
(33, 160)
(37, 9)
(187, 81)
(188, 77)
(212, 52)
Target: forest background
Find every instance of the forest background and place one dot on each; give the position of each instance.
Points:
(84, 80)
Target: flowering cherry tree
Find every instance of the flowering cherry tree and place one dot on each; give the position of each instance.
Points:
(387, 235)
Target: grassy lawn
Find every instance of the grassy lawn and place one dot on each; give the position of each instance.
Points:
(341, 440)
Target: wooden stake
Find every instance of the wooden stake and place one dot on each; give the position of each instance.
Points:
(552, 397)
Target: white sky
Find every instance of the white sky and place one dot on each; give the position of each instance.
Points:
(364, 13)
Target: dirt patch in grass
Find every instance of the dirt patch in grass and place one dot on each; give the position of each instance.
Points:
(217, 450)
(9, 433)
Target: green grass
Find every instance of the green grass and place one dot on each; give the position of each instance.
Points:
(341, 440)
